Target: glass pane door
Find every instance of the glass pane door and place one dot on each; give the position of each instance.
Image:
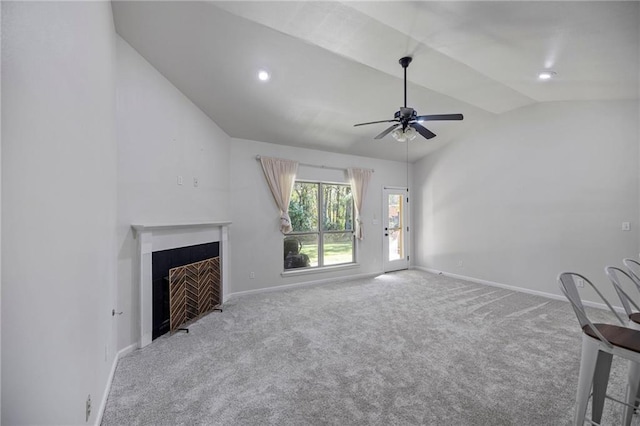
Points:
(395, 230)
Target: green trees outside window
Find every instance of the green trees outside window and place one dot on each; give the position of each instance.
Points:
(322, 219)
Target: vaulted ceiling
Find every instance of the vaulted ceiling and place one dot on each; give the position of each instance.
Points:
(334, 64)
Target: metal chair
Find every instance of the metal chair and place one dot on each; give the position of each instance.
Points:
(599, 343)
(633, 267)
(627, 301)
(633, 314)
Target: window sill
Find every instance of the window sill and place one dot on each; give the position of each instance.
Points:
(306, 271)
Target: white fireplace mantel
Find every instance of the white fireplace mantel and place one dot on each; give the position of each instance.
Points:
(163, 236)
(166, 226)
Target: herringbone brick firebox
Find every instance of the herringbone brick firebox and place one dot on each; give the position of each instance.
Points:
(191, 298)
(194, 290)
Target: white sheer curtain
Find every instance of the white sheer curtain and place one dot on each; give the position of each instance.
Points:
(281, 175)
(359, 181)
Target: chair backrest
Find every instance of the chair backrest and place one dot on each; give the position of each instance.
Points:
(633, 267)
(570, 290)
(615, 275)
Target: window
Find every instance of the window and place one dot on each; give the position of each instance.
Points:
(322, 219)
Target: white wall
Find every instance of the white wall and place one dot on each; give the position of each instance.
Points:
(541, 190)
(161, 135)
(59, 209)
(256, 241)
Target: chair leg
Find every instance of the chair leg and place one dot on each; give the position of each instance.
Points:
(633, 389)
(588, 360)
(600, 382)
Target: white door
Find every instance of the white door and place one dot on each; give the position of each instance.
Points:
(395, 228)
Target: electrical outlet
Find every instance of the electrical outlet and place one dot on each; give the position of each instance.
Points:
(252, 275)
(626, 226)
(88, 407)
(460, 264)
(580, 282)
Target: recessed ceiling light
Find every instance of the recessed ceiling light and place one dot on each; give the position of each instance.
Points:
(264, 75)
(546, 75)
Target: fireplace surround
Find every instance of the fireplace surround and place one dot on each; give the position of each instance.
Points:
(158, 237)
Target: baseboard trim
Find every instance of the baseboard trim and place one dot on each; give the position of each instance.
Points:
(304, 284)
(105, 395)
(518, 289)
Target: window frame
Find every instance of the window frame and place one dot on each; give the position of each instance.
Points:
(320, 232)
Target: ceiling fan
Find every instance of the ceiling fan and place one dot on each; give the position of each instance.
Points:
(406, 120)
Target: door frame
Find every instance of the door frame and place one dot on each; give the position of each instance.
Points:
(395, 265)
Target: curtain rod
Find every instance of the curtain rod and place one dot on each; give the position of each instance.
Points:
(319, 167)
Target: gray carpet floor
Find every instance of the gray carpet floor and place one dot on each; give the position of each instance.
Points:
(406, 348)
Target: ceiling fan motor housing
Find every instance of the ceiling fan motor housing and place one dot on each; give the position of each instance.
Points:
(405, 116)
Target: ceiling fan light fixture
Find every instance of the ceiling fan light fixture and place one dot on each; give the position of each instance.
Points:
(408, 134)
(398, 135)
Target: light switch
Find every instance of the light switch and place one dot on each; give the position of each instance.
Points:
(179, 180)
(195, 181)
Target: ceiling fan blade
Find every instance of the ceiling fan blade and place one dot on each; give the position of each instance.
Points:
(386, 132)
(374, 122)
(426, 133)
(439, 117)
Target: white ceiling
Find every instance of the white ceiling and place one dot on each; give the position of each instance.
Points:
(335, 64)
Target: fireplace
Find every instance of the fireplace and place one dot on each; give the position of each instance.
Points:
(152, 238)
